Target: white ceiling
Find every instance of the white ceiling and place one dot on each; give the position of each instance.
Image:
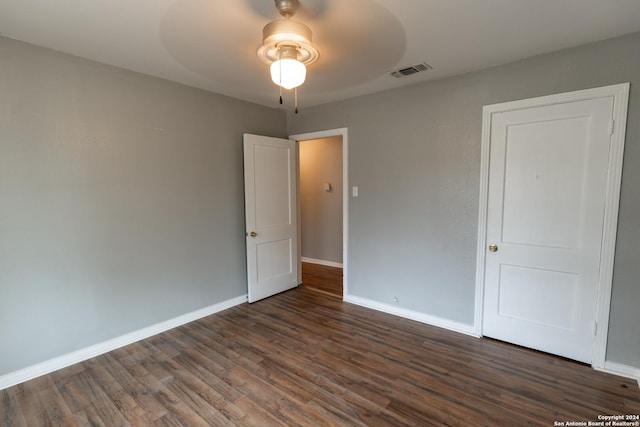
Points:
(211, 44)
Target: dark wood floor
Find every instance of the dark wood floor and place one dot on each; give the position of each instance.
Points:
(303, 358)
(322, 278)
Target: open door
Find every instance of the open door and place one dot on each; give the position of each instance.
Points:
(270, 181)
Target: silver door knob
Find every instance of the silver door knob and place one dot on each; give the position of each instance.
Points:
(493, 247)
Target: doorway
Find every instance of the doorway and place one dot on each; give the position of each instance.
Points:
(322, 213)
(320, 199)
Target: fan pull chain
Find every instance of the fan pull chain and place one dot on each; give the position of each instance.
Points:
(295, 94)
(280, 71)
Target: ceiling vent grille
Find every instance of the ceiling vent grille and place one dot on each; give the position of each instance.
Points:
(407, 71)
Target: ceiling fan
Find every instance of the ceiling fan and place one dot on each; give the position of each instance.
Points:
(287, 47)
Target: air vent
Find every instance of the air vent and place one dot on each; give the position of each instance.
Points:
(407, 71)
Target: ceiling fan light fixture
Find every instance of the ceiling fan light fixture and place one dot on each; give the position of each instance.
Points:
(287, 48)
(288, 73)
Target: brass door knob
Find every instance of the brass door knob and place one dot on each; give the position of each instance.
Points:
(493, 247)
(253, 234)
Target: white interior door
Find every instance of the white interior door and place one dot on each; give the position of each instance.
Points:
(548, 170)
(271, 215)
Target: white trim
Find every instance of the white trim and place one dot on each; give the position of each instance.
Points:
(413, 315)
(345, 193)
(321, 262)
(482, 220)
(620, 94)
(621, 370)
(43, 368)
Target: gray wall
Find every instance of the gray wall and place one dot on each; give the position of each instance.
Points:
(121, 201)
(415, 154)
(321, 211)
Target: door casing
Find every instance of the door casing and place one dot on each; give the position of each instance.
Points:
(620, 94)
(343, 132)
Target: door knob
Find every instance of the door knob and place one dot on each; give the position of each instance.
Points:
(493, 247)
(253, 234)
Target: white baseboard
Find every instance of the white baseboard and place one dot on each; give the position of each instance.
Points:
(609, 367)
(321, 262)
(621, 370)
(413, 315)
(77, 356)
(43, 368)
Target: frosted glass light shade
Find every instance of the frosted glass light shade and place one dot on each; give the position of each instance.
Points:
(288, 73)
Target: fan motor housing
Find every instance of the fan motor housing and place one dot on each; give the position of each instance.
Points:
(287, 33)
(285, 29)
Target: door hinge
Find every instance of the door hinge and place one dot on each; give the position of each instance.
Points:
(611, 128)
(595, 328)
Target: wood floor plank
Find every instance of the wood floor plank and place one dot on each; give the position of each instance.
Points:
(130, 409)
(100, 403)
(42, 404)
(207, 388)
(256, 415)
(74, 395)
(10, 410)
(325, 279)
(210, 372)
(210, 414)
(146, 405)
(305, 358)
(177, 408)
(89, 417)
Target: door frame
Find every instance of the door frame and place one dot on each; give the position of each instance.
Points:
(343, 132)
(620, 94)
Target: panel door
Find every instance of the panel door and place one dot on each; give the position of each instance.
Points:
(271, 215)
(547, 187)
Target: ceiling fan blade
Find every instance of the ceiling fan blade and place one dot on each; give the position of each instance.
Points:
(311, 10)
